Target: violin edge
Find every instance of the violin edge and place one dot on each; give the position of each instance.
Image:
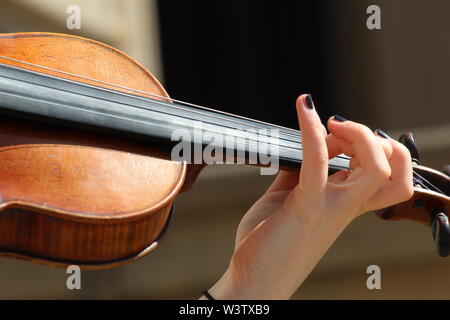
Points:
(109, 245)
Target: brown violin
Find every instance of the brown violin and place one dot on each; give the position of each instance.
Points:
(87, 170)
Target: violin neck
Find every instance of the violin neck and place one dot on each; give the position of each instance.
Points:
(193, 134)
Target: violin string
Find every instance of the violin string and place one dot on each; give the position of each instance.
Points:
(422, 184)
(191, 119)
(293, 132)
(417, 181)
(143, 122)
(428, 182)
(425, 183)
(159, 102)
(298, 134)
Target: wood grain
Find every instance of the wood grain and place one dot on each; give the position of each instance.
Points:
(70, 196)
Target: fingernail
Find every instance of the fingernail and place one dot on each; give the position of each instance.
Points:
(381, 133)
(339, 118)
(309, 102)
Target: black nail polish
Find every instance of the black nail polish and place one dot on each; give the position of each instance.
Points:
(339, 118)
(381, 133)
(309, 102)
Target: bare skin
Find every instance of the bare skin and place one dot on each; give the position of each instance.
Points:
(286, 232)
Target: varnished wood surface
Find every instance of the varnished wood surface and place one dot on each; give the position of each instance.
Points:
(424, 201)
(70, 196)
(96, 183)
(408, 211)
(79, 56)
(59, 242)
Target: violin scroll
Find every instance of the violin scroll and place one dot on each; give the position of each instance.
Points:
(430, 204)
(407, 139)
(446, 170)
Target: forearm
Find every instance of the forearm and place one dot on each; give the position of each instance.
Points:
(274, 273)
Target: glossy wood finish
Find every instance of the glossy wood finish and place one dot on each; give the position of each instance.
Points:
(79, 56)
(75, 197)
(410, 210)
(92, 180)
(422, 205)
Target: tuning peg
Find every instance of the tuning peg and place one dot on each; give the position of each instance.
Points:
(446, 170)
(441, 233)
(407, 139)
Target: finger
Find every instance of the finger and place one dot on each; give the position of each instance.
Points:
(385, 141)
(354, 163)
(314, 171)
(340, 146)
(366, 147)
(400, 186)
(324, 131)
(339, 177)
(337, 146)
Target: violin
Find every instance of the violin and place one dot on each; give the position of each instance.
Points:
(87, 170)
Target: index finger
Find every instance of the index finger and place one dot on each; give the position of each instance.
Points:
(314, 171)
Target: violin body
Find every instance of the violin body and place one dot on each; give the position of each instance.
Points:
(75, 197)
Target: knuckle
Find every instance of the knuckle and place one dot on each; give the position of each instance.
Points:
(403, 151)
(298, 200)
(317, 126)
(407, 190)
(364, 130)
(363, 133)
(381, 173)
(402, 193)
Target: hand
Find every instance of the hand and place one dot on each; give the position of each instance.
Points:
(285, 233)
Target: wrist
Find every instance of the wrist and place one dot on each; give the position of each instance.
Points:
(225, 288)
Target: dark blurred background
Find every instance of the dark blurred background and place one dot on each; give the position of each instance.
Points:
(254, 58)
(248, 57)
